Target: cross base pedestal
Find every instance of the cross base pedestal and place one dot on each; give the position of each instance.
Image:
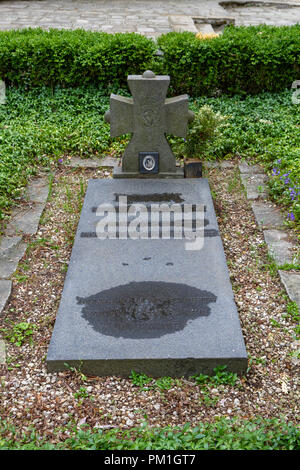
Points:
(118, 173)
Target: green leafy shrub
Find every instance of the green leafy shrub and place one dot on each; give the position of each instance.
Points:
(202, 132)
(241, 60)
(264, 129)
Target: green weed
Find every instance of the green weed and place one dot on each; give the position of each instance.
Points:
(81, 394)
(146, 383)
(19, 333)
(77, 371)
(221, 376)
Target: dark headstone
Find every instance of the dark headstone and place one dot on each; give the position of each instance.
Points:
(148, 116)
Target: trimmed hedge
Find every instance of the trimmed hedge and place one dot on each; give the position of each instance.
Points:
(243, 59)
(35, 57)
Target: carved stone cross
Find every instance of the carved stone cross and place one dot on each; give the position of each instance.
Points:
(149, 116)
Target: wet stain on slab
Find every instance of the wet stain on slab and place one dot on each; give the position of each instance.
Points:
(145, 309)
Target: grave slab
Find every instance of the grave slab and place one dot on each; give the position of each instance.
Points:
(205, 28)
(182, 23)
(151, 305)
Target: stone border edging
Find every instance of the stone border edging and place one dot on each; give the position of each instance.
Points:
(26, 222)
(12, 245)
(271, 221)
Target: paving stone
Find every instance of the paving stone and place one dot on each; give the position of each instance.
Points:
(255, 186)
(211, 164)
(205, 28)
(245, 168)
(279, 246)
(5, 290)
(12, 249)
(223, 165)
(109, 162)
(26, 220)
(291, 282)
(9, 244)
(37, 190)
(267, 215)
(226, 164)
(90, 15)
(77, 162)
(2, 352)
(183, 23)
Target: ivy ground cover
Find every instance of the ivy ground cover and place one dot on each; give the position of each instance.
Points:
(42, 127)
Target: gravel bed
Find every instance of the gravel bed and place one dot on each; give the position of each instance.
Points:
(51, 403)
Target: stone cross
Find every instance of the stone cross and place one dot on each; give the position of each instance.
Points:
(149, 116)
